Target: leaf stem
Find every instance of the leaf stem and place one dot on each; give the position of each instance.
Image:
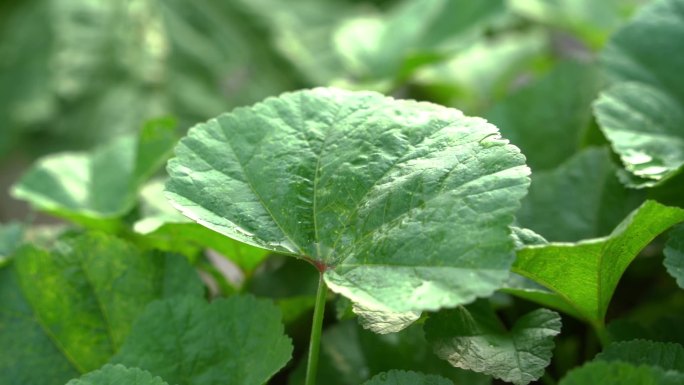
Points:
(601, 332)
(316, 329)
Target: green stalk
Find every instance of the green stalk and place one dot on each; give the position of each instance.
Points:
(601, 332)
(316, 329)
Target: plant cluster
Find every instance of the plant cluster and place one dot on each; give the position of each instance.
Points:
(344, 237)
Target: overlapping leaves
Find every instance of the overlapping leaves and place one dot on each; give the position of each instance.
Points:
(405, 205)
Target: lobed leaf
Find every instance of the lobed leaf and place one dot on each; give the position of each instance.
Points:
(404, 205)
(186, 341)
(586, 273)
(473, 338)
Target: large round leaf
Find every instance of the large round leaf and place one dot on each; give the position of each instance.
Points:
(405, 206)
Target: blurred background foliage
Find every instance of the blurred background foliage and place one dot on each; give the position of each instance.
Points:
(74, 73)
(89, 75)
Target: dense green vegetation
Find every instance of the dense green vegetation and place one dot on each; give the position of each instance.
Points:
(342, 192)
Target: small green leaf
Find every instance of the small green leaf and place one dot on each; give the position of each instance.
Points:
(583, 196)
(473, 338)
(674, 255)
(547, 118)
(400, 377)
(405, 205)
(95, 189)
(65, 312)
(186, 341)
(643, 114)
(667, 356)
(118, 375)
(620, 373)
(586, 273)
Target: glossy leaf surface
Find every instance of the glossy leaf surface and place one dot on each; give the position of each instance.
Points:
(473, 338)
(586, 273)
(643, 114)
(405, 205)
(118, 375)
(65, 312)
(186, 341)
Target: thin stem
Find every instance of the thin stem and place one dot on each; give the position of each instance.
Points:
(601, 333)
(316, 329)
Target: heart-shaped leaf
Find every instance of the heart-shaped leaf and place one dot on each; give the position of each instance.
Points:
(118, 375)
(66, 312)
(586, 273)
(234, 341)
(405, 206)
(643, 115)
(473, 338)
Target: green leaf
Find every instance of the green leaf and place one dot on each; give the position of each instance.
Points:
(554, 109)
(67, 311)
(405, 205)
(667, 356)
(642, 115)
(94, 189)
(583, 196)
(163, 227)
(473, 338)
(643, 124)
(118, 375)
(186, 341)
(674, 255)
(527, 289)
(620, 373)
(586, 273)
(400, 377)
